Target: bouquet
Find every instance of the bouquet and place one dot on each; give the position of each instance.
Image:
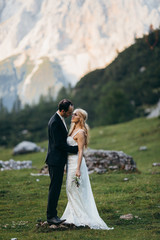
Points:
(77, 181)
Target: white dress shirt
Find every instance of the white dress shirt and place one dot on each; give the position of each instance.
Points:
(62, 118)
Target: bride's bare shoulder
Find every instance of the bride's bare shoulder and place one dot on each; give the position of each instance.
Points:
(81, 134)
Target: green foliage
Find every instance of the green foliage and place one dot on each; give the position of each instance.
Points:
(3, 110)
(16, 105)
(34, 119)
(114, 108)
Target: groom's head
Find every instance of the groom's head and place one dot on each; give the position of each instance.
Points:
(65, 108)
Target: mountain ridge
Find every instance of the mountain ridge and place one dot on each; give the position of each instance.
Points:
(78, 36)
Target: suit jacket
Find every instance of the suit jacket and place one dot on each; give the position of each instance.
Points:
(57, 142)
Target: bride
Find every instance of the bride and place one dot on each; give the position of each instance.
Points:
(81, 209)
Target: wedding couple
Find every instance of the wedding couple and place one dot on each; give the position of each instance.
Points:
(81, 208)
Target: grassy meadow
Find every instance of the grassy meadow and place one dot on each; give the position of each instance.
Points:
(23, 198)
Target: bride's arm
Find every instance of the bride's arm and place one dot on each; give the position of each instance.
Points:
(81, 143)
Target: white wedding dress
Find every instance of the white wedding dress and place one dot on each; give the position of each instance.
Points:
(81, 209)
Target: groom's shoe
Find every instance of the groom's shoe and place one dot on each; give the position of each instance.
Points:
(55, 220)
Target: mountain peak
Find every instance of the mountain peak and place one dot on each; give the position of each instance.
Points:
(79, 36)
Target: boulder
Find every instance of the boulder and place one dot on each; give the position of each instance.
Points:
(109, 160)
(26, 147)
(156, 164)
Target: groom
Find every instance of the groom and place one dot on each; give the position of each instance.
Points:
(57, 156)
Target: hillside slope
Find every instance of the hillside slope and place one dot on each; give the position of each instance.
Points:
(124, 89)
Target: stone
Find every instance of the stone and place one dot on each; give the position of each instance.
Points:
(143, 148)
(126, 179)
(24, 131)
(113, 167)
(155, 164)
(53, 226)
(142, 69)
(26, 147)
(16, 165)
(61, 226)
(44, 223)
(100, 171)
(127, 217)
(39, 174)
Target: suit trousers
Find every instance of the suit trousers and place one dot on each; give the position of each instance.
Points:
(56, 177)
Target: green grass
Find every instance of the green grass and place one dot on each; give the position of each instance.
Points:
(23, 200)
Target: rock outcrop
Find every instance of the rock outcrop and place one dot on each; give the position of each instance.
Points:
(14, 165)
(102, 160)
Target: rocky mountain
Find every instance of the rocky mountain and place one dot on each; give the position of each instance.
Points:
(46, 44)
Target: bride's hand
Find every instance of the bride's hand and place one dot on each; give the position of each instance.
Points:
(78, 173)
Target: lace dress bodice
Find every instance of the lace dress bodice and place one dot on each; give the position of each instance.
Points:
(71, 141)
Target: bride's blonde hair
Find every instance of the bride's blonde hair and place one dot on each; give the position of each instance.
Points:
(83, 118)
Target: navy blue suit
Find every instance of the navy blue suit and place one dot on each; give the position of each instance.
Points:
(56, 159)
